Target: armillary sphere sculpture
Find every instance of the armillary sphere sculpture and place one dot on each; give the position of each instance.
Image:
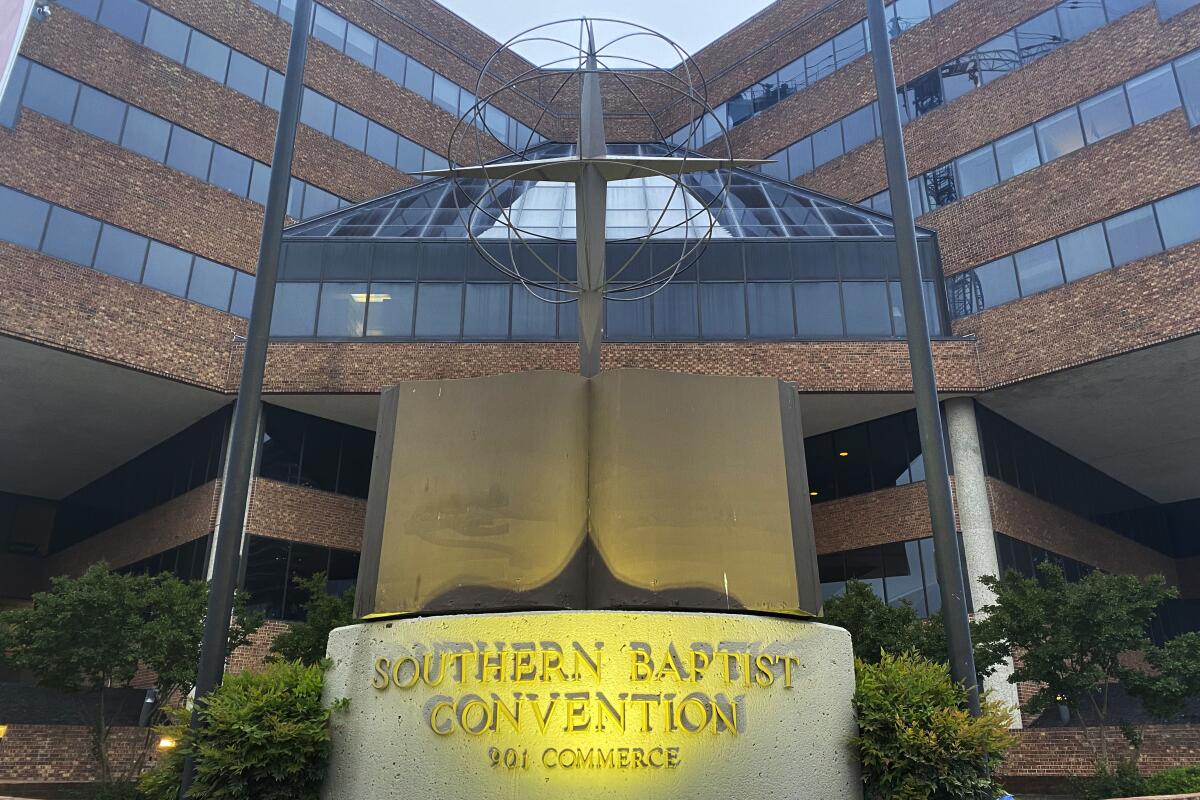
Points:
(485, 191)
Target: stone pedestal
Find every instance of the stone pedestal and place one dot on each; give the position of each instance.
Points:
(592, 704)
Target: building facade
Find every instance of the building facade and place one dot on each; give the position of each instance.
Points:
(1054, 152)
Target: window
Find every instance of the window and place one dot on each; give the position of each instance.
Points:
(211, 283)
(208, 56)
(243, 294)
(445, 93)
(1038, 268)
(998, 57)
(675, 315)
(827, 144)
(533, 318)
(360, 46)
(1169, 8)
(1133, 235)
(419, 78)
(910, 13)
(50, 93)
(230, 170)
(343, 309)
(99, 114)
(390, 63)
(770, 307)
(381, 143)
(1179, 218)
(819, 62)
(997, 282)
(126, 17)
(723, 310)
(329, 28)
(858, 128)
(317, 111)
(295, 309)
(439, 310)
(800, 157)
(146, 134)
(189, 153)
(166, 35)
(850, 44)
(121, 253)
(1152, 94)
(1188, 70)
(1084, 252)
(818, 309)
(977, 171)
(350, 128)
(22, 218)
(867, 310)
(409, 155)
(1079, 19)
(1105, 115)
(1017, 153)
(1059, 134)
(70, 236)
(487, 306)
(246, 76)
(1039, 36)
(168, 269)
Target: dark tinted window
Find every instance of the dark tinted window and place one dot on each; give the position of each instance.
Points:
(211, 283)
(230, 170)
(121, 253)
(295, 309)
(208, 56)
(1179, 218)
(50, 93)
(70, 236)
(99, 114)
(189, 153)
(146, 134)
(22, 218)
(168, 269)
(317, 111)
(246, 76)
(439, 310)
(126, 17)
(1133, 235)
(166, 35)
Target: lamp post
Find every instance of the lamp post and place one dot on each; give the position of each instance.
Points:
(920, 354)
(235, 483)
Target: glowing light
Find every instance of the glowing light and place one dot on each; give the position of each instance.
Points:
(373, 297)
(843, 454)
(813, 494)
(166, 743)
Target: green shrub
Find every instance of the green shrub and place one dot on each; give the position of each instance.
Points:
(1124, 781)
(916, 739)
(306, 641)
(265, 737)
(1181, 780)
(116, 790)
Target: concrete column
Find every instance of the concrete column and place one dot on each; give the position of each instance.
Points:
(975, 523)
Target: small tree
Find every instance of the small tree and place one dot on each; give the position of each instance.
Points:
(917, 740)
(306, 641)
(1071, 636)
(93, 632)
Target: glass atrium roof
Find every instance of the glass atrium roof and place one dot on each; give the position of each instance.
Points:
(755, 206)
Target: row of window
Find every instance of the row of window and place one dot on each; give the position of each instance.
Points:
(824, 59)
(1135, 234)
(196, 50)
(59, 232)
(272, 566)
(1136, 101)
(1027, 42)
(864, 458)
(344, 36)
(318, 453)
(189, 459)
(1023, 558)
(898, 572)
(681, 311)
(83, 107)
(188, 561)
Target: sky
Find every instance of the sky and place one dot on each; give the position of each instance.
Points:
(690, 23)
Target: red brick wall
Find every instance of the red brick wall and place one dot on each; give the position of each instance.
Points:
(62, 753)
(284, 511)
(253, 654)
(1058, 752)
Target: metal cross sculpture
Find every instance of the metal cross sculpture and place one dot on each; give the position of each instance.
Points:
(590, 170)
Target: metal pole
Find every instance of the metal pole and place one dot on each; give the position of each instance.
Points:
(235, 485)
(920, 354)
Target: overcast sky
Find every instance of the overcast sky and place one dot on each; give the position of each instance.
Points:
(690, 23)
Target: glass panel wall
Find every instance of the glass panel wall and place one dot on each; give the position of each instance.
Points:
(315, 452)
(897, 572)
(864, 458)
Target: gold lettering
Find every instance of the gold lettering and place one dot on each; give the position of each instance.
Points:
(513, 715)
(645, 700)
(549, 751)
(562, 758)
(700, 662)
(381, 679)
(542, 721)
(638, 753)
(586, 760)
(593, 666)
(639, 665)
(724, 716)
(442, 730)
(654, 751)
(416, 672)
(731, 660)
(464, 714)
(623, 757)
(604, 709)
(578, 717)
(787, 670)
(764, 675)
(672, 757)
(682, 717)
(669, 667)
(605, 758)
(489, 667)
(552, 662)
(428, 670)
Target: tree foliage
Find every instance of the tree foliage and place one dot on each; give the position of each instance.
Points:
(306, 641)
(916, 739)
(876, 628)
(265, 737)
(94, 631)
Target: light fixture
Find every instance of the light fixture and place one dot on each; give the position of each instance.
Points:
(843, 454)
(813, 493)
(373, 297)
(166, 743)
(3, 730)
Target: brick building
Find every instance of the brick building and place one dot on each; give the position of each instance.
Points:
(1055, 154)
